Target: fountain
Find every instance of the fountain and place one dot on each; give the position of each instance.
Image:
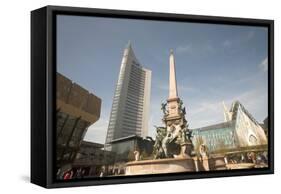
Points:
(173, 146)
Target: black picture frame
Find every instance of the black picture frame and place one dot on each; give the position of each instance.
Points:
(43, 94)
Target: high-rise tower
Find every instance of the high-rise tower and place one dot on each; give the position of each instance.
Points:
(130, 107)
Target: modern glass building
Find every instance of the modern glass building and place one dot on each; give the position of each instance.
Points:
(130, 107)
(240, 130)
(216, 137)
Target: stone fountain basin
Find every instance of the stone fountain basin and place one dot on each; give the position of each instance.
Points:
(240, 166)
(167, 165)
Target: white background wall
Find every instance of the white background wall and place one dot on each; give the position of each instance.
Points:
(15, 94)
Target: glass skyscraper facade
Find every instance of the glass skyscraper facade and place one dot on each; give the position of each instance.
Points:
(130, 107)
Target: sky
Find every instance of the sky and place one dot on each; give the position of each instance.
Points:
(214, 63)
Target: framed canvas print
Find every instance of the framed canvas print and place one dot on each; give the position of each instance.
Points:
(126, 96)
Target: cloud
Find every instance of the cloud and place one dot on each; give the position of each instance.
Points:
(206, 106)
(165, 87)
(250, 35)
(186, 88)
(235, 41)
(227, 44)
(205, 113)
(97, 131)
(201, 49)
(264, 65)
(207, 49)
(209, 112)
(186, 49)
(256, 102)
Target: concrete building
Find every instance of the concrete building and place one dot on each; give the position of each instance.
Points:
(240, 130)
(92, 158)
(130, 107)
(76, 109)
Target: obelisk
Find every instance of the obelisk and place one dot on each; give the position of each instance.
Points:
(173, 91)
(173, 100)
(174, 119)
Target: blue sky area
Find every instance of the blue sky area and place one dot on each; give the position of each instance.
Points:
(214, 63)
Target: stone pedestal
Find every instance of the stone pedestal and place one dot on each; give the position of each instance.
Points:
(186, 149)
(169, 165)
(217, 162)
(205, 163)
(196, 163)
(201, 164)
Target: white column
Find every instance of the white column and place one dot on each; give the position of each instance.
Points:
(173, 93)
